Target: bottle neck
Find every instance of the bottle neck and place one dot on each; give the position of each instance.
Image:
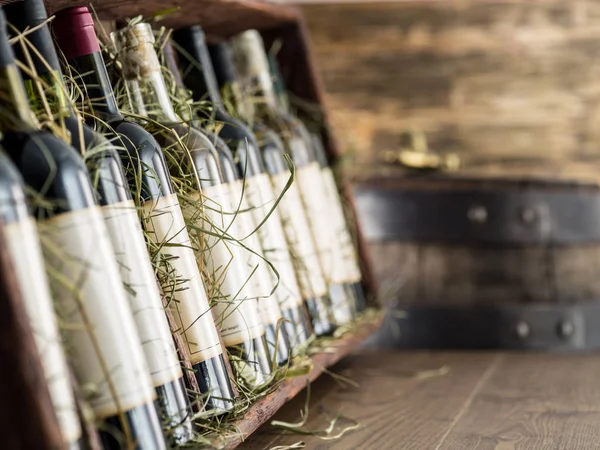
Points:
(15, 112)
(283, 100)
(171, 63)
(43, 78)
(183, 108)
(197, 69)
(234, 100)
(146, 88)
(47, 96)
(253, 69)
(74, 31)
(260, 89)
(90, 74)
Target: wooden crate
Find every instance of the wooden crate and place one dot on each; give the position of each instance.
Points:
(219, 18)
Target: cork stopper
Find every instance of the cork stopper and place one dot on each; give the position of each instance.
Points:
(250, 56)
(221, 56)
(135, 47)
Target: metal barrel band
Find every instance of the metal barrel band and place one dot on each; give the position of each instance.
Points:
(509, 216)
(561, 328)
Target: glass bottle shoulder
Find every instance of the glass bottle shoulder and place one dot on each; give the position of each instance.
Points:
(52, 167)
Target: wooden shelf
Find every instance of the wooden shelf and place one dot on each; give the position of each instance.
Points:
(218, 17)
(263, 409)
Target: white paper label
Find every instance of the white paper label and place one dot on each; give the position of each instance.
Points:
(261, 199)
(226, 275)
(108, 357)
(144, 298)
(165, 227)
(351, 270)
(299, 237)
(312, 189)
(24, 248)
(263, 279)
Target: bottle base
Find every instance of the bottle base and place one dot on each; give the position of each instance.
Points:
(215, 385)
(174, 411)
(253, 362)
(361, 299)
(144, 430)
(296, 323)
(283, 351)
(318, 308)
(342, 300)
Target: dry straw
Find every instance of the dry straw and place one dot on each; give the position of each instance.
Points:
(212, 431)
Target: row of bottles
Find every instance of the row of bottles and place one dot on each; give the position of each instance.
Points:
(130, 221)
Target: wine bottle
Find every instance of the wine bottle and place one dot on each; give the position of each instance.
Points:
(342, 229)
(113, 194)
(238, 227)
(160, 210)
(297, 230)
(107, 356)
(271, 306)
(236, 312)
(258, 193)
(241, 228)
(253, 68)
(351, 266)
(283, 100)
(20, 235)
(244, 227)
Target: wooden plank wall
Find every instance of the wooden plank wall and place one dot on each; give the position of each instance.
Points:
(506, 84)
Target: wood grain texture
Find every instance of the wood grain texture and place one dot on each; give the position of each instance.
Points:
(410, 274)
(504, 84)
(444, 273)
(402, 401)
(485, 401)
(219, 17)
(27, 417)
(264, 408)
(437, 271)
(533, 402)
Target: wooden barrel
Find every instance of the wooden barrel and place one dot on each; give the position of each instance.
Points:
(485, 263)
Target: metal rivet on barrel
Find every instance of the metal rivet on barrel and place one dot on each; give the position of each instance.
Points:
(477, 214)
(566, 329)
(528, 215)
(523, 329)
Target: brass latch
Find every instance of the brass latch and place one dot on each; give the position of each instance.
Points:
(417, 156)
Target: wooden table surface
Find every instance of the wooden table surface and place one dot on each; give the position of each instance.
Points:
(451, 401)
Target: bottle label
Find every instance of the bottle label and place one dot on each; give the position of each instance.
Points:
(108, 357)
(299, 237)
(165, 228)
(262, 278)
(261, 202)
(24, 249)
(350, 268)
(225, 272)
(130, 249)
(312, 189)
